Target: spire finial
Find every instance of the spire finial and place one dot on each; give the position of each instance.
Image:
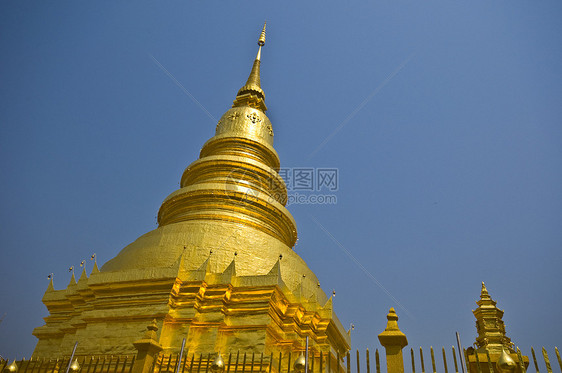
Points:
(151, 330)
(251, 93)
(484, 291)
(261, 40)
(392, 336)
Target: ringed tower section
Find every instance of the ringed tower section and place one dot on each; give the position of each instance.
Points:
(236, 176)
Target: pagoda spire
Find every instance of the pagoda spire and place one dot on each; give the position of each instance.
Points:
(251, 93)
(236, 177)
(490, 326)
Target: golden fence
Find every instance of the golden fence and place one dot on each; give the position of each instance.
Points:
(481, 366)
(321, 363)
(86, 364)
(250, 362)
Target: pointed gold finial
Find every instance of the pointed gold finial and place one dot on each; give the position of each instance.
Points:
(484, 292)
(251, 93)
(261, 40)
(151, 330)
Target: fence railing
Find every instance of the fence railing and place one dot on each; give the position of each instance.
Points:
(244, 362)
(321, 363)
(86, 364)
(447, 361)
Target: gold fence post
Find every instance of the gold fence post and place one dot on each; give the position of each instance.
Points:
(393, 341)
(546, 360)
(148, 349)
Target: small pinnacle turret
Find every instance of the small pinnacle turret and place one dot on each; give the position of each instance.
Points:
(95, 269)
(50, 287)
(72, 279)
(83, 275)
(489, 324)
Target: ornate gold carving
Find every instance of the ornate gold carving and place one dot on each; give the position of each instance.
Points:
(254, 118)
(233, 116)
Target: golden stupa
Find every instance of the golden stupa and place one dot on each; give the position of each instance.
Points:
(492, 342)
(219, 270)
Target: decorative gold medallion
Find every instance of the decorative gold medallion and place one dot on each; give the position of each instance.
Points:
(254, 118)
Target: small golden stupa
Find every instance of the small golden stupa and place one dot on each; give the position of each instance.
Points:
(219, 270)
(492, 341)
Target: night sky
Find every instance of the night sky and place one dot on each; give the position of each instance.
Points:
(442, 119)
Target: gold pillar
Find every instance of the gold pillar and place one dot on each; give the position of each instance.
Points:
(148, 349)
(393, 341)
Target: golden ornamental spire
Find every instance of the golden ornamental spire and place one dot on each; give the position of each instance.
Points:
(251, 93)
(489, 325)
(236, 179)
(484, 292)
(261, 40)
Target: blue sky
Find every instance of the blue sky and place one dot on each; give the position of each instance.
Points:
(443, 119)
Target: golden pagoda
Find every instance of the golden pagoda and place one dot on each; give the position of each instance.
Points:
(219, 271)
(492, 343)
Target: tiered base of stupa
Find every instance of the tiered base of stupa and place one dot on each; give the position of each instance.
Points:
(222, 287)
